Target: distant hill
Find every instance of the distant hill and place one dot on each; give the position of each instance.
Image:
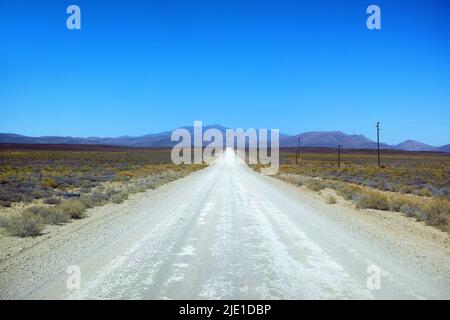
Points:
(330, 139)
(411, 145)
(162, 139)
(445, 148)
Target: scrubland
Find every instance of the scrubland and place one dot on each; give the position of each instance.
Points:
(53, 186)
(416, 184)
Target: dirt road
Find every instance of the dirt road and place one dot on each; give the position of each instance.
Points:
(228, 232)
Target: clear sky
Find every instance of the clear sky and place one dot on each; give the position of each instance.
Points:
(139, 67)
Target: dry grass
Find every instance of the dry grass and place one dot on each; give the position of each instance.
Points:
(423, 174)
(314, 185)
(27, 224)
(49, 215)
(372, 200)
(415, 184)
(75, 209)
(27, 175)
(433, 211)
(96, 178)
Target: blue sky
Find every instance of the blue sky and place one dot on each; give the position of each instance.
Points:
(138, 67)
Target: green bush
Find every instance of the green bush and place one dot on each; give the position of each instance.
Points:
(27, 224)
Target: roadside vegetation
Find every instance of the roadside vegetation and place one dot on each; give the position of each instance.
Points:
(416, 184)
(54, 186)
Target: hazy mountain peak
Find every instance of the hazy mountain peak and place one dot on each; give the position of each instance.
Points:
(162, 139)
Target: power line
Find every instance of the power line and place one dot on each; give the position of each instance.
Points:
(339, 155)
(378, 143)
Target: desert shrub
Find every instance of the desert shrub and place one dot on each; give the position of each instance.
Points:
(150, 185)
(330, 199)
(425, 192)
(84, 190)
(86, 184)
(346, 191)
(26, 224)
(109, 193)
(372, 200)
(5, 203)
(410, 210)
(125, 175)
(397, 202)
(94, 199)
(52, 200)
(314, 185)
(119, 197)
(76, 209)
(55, 216)
(87, 200)
(49, 215)
(49, 183)
(132, 189)
(141, 188)
(437, 212)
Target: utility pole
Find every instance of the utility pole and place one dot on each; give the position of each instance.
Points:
(339, 155)
(297, 153)
(378, 143)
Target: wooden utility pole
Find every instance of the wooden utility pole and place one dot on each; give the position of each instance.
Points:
(378, 143)
(297, 153)
(339, 155)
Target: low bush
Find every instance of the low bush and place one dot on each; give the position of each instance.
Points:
(330, 199)
(5, 203)
(119, 197)
(437, 212)
(410, 210)
(109, 193)
(372, 200)
(26, 224)
(425, 192)
(75, 209)
(397, 202)
(348, 192)
(94, 199)
(49, 215)
(52, 200)
(141, 188)
(314, 185)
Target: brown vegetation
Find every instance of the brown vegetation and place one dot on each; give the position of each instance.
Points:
(416, 184)
(63, 183)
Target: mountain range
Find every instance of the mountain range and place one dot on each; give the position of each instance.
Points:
(162, 139)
